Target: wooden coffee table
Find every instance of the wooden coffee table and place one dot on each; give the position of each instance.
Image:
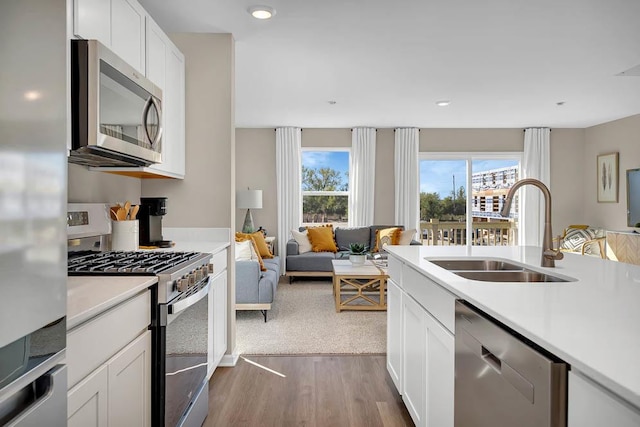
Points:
(359, 287)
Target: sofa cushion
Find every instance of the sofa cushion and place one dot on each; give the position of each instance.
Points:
(261, 244)
(321, 239)
(375, 228)
(406, 237)
(386, 236)
(311, 261)
(272, 264)
(345, 236)
(243, 250)
(301, 237)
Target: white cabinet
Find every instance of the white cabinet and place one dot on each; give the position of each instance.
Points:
(87, 401)
(109, 365)
(590, 405)
(117, 24)
(414, 360)
(92, 20)
(394, 333)
(165, 66)
(420, 349)
(217, 312)
(129, 386)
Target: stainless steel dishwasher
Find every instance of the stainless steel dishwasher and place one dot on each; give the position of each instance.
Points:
(502, 379)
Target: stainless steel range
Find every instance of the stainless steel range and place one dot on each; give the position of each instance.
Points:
(179, 321)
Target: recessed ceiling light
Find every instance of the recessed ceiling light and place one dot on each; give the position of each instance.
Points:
(443, 103)
(262, 12)
(331, 102)
(560, 103)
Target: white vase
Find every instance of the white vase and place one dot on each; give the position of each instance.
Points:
(357, 259)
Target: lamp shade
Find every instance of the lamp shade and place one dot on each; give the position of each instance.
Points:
(249, 199)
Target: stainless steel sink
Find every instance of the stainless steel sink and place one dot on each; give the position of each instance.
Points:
(475, 264)
(509, 276)
(495, 270)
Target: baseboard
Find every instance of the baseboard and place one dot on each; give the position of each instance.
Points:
(229, 360)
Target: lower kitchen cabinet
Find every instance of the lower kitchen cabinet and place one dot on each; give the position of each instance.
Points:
(217, 312)
(394, 333)
(420, 355)
(109, 358)
(590, 405)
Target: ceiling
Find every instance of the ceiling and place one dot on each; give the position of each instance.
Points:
(501, 63)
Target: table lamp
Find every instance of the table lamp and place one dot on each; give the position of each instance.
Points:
(248, 199)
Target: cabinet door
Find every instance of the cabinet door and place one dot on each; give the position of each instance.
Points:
(130, 384)
(127, 32)
(87, 401)
(440, 349)
(217, 321)
(173, 105)
(92, 20)
(156, 55)
(414, 359)
(394, 333)
(592, 406)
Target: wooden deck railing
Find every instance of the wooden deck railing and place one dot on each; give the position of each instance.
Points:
(451, 233)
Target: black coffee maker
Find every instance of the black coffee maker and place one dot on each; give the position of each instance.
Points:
(152, 209)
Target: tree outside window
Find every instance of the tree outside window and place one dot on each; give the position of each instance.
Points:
(325, 186)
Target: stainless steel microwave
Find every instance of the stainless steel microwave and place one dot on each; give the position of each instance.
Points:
(116, 113)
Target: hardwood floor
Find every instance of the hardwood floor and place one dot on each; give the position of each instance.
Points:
(327, 390)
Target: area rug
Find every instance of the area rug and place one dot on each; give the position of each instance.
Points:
(303, 320)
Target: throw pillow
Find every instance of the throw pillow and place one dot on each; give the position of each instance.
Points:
(243, 251)
(321, 239)
(240, 238)
(406, 237)
(386, 236)
(261, 243)
(302, 238)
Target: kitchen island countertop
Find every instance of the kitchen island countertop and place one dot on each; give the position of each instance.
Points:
(593, 323)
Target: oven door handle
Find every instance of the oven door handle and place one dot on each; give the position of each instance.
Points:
(183, 304)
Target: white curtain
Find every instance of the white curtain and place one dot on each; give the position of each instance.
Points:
(536, 164)
(289, 185)
(407, 194)
(362, 177)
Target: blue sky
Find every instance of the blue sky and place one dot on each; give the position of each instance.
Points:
(338, 160)
(436, 176)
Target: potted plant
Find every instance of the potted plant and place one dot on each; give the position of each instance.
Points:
(358, 253)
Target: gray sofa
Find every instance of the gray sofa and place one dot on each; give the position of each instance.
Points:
(255, 289)
(318, 264)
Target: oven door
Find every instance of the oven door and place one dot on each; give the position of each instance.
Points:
(186, 391)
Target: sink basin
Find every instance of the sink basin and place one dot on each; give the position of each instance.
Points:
(510, 276)
(476, 264)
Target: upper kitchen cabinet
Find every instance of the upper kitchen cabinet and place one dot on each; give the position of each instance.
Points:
(117, 24)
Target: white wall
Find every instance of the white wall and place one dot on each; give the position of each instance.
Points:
(622, 136)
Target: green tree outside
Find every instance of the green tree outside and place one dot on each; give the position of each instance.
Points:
(324, 208)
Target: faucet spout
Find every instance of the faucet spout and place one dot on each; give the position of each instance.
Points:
(549, 254)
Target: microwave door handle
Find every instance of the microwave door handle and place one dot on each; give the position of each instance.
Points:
(145, 115)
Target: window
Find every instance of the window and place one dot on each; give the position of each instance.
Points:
(449, 212)
(325, 186)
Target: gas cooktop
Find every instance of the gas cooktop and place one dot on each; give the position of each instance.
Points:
(129, 263)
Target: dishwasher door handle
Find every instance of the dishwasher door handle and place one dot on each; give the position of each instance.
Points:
(491, 359)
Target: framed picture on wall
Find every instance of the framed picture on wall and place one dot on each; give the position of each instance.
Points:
(608, 178)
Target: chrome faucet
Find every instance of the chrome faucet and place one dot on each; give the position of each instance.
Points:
(549, 255)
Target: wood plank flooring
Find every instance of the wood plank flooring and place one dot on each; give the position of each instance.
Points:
(314, 391)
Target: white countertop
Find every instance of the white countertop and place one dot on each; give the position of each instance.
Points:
(593, 323)
(90, 296)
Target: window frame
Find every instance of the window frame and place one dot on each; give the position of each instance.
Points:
(325, 193)
(469, 157)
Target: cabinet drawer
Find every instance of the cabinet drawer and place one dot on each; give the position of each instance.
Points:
(94, 342)
(433, 297)
(219, 262)
(395, 270)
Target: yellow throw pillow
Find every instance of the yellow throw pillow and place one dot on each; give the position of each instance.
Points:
(321, 239)
(240, 237)
(386, 236)
(261, 243)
